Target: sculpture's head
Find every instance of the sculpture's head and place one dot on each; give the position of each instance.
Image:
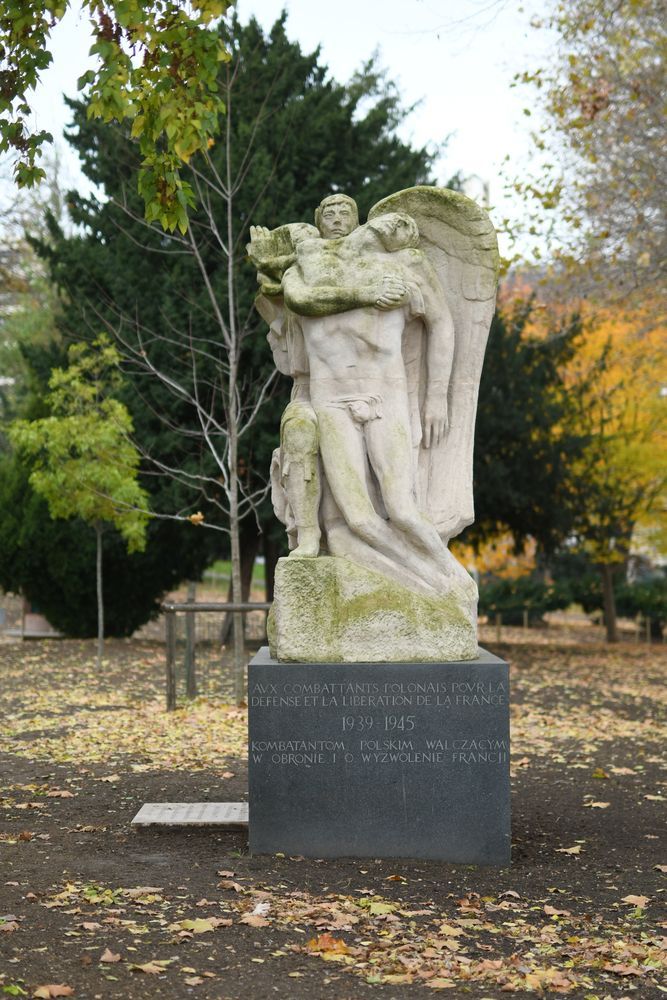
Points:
(300, 231)
(395, 230)
(336, 216)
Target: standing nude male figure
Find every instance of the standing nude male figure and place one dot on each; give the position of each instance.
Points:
(354, 297)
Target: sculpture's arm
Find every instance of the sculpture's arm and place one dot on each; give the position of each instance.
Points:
(326, 300)
(273, 267)
(439, 355)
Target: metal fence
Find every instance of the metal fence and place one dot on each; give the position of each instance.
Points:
(199, 650)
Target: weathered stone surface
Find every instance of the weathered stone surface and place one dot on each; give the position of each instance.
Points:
(330, 610)
(382, 327)
(380, 760)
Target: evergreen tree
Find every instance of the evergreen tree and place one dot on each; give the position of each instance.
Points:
(527, 435)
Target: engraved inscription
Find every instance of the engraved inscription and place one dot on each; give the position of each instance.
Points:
(378, 734)
(440, 694)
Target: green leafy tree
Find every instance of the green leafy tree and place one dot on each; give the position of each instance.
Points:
(157, 68)
(84, 463)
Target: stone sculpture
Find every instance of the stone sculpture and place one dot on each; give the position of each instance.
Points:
(382, 328)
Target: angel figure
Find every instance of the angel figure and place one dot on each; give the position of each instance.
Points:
(383, 328)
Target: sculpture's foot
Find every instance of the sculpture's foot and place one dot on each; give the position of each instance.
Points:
(309, 543)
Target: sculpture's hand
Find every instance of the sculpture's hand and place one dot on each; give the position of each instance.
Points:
(435, 419)
(390, 292)
(259, 249)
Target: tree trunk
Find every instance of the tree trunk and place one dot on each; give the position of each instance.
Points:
(609, 602)
(234, 416)
(100, 600)
(249, 544)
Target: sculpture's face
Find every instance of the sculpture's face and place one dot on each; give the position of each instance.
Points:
(396, 231)
(336, 218)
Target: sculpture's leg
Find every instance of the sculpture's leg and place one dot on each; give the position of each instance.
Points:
(300, 474)
(343, 451)
(390, 453)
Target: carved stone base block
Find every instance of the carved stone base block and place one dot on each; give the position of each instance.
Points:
(330, 610)
(380, 760)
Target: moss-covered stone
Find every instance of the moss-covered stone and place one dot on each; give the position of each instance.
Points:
(330, 610)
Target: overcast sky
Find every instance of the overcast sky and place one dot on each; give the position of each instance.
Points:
(456, 57)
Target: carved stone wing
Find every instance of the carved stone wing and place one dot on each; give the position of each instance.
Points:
(458, 238)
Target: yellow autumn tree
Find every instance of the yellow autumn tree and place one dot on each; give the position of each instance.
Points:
(622, 475)
(498, 557)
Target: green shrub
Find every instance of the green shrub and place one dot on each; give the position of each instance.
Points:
(510, 598)
(53, 562)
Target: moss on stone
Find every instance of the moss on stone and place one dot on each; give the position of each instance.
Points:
(332, 610)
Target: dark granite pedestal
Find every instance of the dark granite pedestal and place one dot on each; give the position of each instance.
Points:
(401, 760)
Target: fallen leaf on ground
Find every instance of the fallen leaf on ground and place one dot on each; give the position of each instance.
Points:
(151, 968)
(200, 925)
(56, 793)
(624, 970)
(253, 920)
(228, 884)
(640, 901)
(597, 805)
(326, 943)
(109, 956)
(450, 931)
(569, 850)
(599, 773)
(53, 990)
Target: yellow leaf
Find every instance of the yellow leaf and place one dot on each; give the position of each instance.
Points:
(151, 968)
(569, 850)
(450, 931)
(377, 909)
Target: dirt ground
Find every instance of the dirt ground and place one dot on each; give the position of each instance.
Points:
(93, 909)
